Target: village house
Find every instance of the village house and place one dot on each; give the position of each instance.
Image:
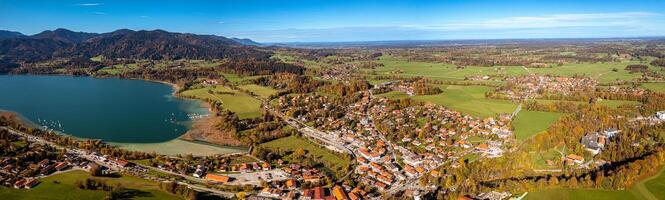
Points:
(572, 159)
(217, 178)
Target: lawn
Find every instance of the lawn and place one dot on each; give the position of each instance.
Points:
(65, 189)
(262, 91)
(539, 159)
(393, 95)
(651, 188)
(528, 123)
(656, 87)
(469, 100)
(292, 143)
(240, 103)
(656, 184)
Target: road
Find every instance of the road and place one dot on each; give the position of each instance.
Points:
(82, 153)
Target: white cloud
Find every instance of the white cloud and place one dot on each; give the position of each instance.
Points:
(88, 4)
(546, 21)
(221, 22)
(621, 24)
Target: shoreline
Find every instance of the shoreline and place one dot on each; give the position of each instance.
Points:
(183, 145)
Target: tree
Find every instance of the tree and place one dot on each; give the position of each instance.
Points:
(95, 171)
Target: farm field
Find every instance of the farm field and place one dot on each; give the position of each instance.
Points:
(529, 123)
(652, 188)
(234, 78)
(439, 71)
(293, 143)
(609, 103)
(655, 184)
(65, 189)
(393, 95)
(602, 72)
(469, 100)
(240, 103)
(656, 87)
(118, 69)
(262, 91)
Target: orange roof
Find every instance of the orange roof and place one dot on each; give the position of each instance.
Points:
(339, 193)
(218, 178)
(420, 169)
(290, 183)
(482, 146)
(574, 157)
(434, 173)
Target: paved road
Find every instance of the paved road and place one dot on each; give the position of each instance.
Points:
(83, 154)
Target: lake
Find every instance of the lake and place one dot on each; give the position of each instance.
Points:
(111, 109)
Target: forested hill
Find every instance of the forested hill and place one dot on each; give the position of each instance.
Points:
(123, 43)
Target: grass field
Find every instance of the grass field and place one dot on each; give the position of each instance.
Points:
(603, 72)
(240, 103)
(539, 159)
(440, 71)
(608, 103)
(656, 184)
(394, 95)
(234, 78)
(528, 123)
(120, 68)
(656, 87)
(652, 188)
(565, 194)
(179, 146)
(292, 143)
(65, 189)
(469, 100)
(262, 91)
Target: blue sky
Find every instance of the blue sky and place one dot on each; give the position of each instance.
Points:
(329, 21)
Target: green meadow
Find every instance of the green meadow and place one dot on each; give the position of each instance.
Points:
(234, 78)
(656, 87)
(608, 103)
(61, 186)
(652, 188)
(439, 71)
(469, 100)
(393, 95)
(529, 123)
(262, 91)
(293, 143)
(602, 72)
(240, 103)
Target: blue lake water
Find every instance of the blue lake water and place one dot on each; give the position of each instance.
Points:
(111, 109)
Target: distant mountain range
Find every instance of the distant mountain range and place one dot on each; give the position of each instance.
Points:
(124, 43)
(247, 41)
